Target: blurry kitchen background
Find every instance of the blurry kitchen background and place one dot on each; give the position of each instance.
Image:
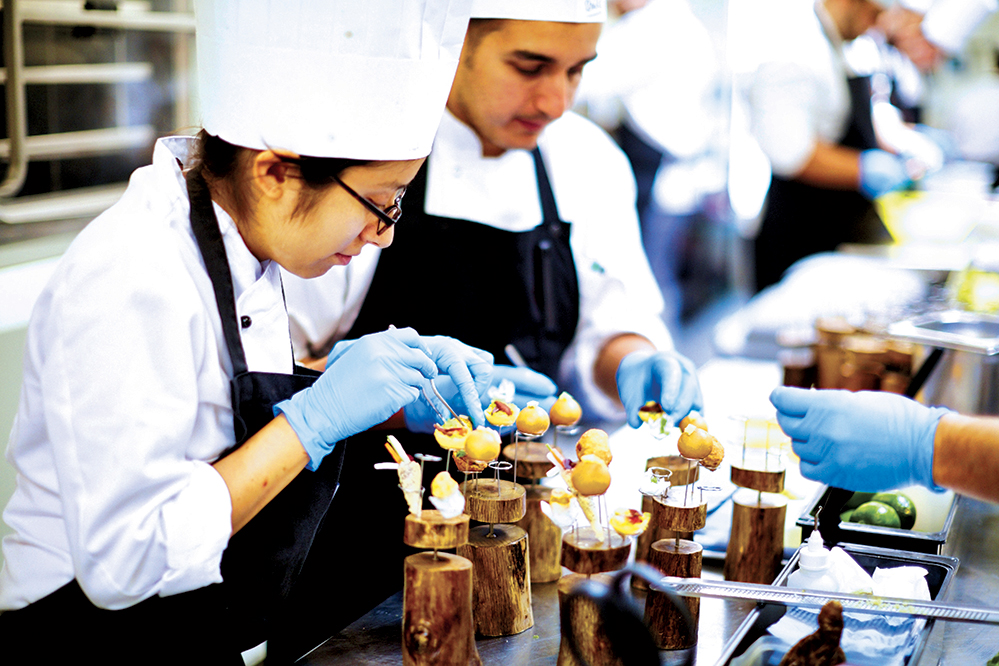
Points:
(89, 86)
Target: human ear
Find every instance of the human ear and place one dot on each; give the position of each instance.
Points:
(272, 176)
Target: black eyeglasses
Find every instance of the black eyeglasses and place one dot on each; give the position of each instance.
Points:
(387, 217)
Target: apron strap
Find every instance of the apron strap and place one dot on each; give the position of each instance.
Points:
(549, 210)
(206, 231)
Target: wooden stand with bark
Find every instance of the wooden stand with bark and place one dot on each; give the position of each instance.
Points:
(544, 536)
(756, 544)
(585, 622)
(681, 475)
(675, 557)
(501, 596)
(437, 623)
(498, 550)
(586, 555)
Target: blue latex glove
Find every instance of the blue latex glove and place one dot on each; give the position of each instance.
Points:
(868, 441)
(881, 172)
(368, 380)
(466, 375)
(663, 376)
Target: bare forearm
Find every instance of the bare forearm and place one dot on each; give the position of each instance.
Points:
(261, 468)
(609, 358)
(833, 167)
(966, 456)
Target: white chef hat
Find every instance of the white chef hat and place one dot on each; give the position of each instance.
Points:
(359, 79)
(564, 11)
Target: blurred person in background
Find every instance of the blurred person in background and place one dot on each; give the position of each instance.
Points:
(656, 88)
(812, 117)
(929, 31)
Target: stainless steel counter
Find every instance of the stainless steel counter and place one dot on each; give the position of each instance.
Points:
(377, 637)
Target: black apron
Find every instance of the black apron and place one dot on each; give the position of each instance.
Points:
(262, 561)
(802, 220)
(484, 286)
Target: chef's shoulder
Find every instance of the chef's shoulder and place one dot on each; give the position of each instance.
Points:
(575, 147)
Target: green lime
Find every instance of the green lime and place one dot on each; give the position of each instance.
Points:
(876, 513)
(903, 506)
(858, 499)
(844, 517)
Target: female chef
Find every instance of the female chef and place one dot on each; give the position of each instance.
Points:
(162, 511)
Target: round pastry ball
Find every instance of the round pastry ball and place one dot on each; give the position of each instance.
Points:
(695, 418)
(694, 443)
(533, 420)
(482, 444)
(590, 476)
(451, 435)
(594, 441)
(565, 411)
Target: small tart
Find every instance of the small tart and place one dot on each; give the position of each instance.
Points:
(466, 464)
(451, 435)
(502, 413)
(650, 411)
(629, 522)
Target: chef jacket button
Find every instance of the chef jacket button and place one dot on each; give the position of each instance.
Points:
(245, 321)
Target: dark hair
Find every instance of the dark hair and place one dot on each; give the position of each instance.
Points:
(222, 164)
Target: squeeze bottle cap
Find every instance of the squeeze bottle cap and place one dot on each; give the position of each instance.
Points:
(815, 555)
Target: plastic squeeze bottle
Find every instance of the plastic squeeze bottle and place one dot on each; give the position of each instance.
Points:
(814, 570)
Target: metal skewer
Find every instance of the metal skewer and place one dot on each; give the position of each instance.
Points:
(861, 603)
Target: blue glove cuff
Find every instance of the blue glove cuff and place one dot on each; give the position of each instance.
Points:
(923, 463)
(312, 439)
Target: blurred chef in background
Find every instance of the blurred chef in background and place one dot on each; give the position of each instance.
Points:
(929, 31)
(812, 117)
(873, 441)
(162, 511)
(520, 230)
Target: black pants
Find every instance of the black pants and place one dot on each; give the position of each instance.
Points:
(66, 627)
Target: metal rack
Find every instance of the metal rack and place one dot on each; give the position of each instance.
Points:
(19, 148)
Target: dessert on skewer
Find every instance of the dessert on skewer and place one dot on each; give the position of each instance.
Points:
(532, 422)
(564, 414)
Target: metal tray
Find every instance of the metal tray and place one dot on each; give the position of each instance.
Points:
(883, 537)
(951, 329)
(940, 571)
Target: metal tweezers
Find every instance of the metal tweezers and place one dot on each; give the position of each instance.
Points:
(441, 416)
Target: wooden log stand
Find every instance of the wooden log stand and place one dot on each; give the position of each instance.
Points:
(584, 554)
(437, 622)
(501, 591)
(544, 536)
(584, 619)
(681, 475)
(675, 557)
(756, 544)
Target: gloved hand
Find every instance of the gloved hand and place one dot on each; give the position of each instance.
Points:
(467, 372)
(530, 385)
(866, 441)
(663, 376)
(881, 172)
(369, 380)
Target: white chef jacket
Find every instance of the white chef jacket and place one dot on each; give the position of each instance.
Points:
(799, 94)
(594, 189)
(125, 403)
